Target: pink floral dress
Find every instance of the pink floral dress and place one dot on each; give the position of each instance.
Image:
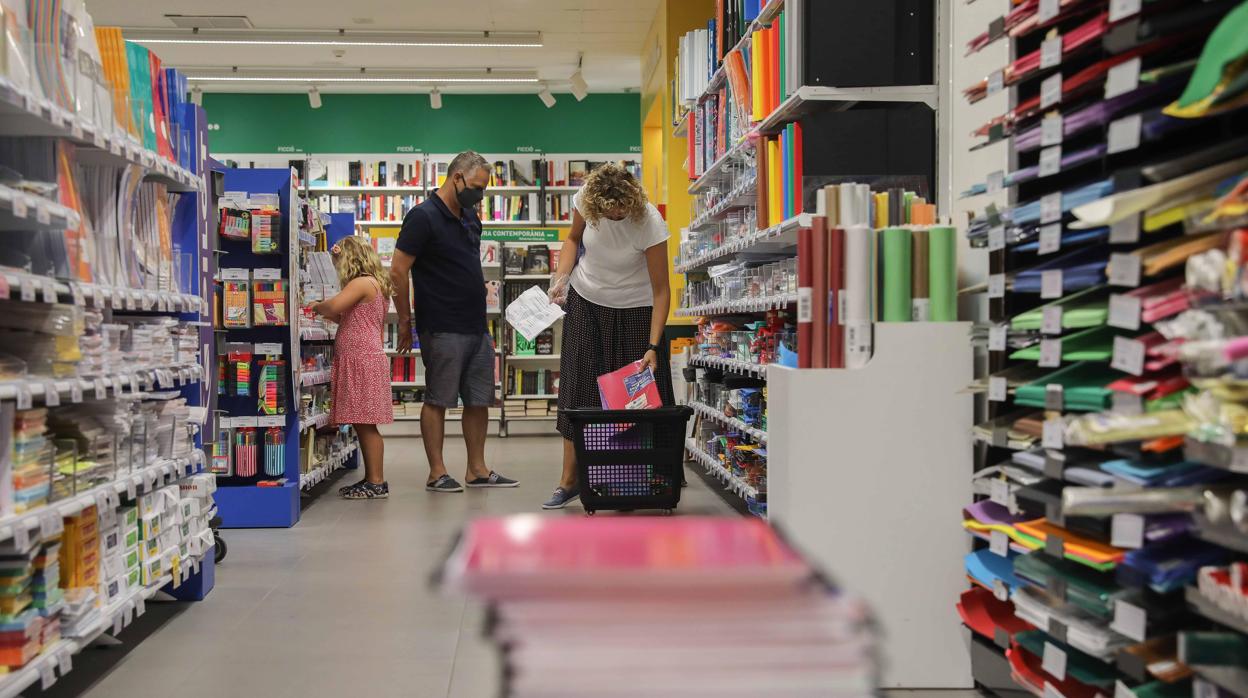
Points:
(361, 376)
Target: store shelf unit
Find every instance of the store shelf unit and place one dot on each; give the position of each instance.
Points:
(514, 365)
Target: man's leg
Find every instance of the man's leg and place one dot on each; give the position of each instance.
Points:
(476, 425)
(477, 391)
(433, 433)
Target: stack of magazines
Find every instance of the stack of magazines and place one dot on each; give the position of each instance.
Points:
(660, 606)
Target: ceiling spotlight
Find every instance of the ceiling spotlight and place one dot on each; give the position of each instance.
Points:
(580, 89)
(314, 98)
(547, 98)
(197, 96)
(435, 99)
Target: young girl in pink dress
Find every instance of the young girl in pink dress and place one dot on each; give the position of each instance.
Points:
(361, 375)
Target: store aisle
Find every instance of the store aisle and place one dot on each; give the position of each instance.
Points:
(341, 604)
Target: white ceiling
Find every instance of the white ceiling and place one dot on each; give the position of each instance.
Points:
(609, 33)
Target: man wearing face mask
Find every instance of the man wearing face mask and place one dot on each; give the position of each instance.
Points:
(440, 247)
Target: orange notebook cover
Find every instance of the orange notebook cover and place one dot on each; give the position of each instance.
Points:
(1075, 543)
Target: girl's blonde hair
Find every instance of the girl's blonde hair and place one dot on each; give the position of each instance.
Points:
(611, 188)
(354, 257)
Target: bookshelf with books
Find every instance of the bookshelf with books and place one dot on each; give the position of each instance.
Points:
(530, 369)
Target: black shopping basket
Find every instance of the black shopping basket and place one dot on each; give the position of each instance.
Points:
(630, 459)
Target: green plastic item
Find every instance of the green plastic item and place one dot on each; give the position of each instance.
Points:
(1083, 387)
(1226, 44)
(942, 273)
(1074, 317)
(895, 251)
(1095, 344)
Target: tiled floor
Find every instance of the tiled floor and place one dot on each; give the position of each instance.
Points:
(340, 605)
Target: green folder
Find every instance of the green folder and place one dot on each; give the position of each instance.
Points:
(896, 249)
(1080, 666)
(1083, 387)
(1095, 344)
(1079, 311)
(1087, 589)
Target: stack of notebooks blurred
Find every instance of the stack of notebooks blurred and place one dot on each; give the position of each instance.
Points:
(661, 606)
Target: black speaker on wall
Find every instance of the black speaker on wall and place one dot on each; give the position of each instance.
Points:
(868, 43)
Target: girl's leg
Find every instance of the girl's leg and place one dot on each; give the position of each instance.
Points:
(373, 447)
(568, 479)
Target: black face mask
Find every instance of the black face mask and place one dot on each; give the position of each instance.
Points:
(468, 197)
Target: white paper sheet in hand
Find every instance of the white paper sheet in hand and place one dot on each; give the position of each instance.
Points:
(532, 312)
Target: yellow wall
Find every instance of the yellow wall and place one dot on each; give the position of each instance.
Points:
(663, 155)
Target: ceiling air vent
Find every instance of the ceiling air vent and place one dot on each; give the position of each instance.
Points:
(210, 21)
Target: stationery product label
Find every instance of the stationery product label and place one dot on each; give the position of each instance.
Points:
(997, 335)
(1124, 270)
(996, 181)
(920, 309)
(996, 238)
(1124, 133)
(140, 607)
(43, 216)
(1054, 464)
(271, 421)
(1124, 311)
(999, 492)
(49, 291)
(1130, 620)
(76, 291)
(1053, 435)
(1127, 531)
(998, 389)
(1126, 403)
(1125, 231)
(29, 292)
(1051, 129)
(1050, 238)
(1121, 690)
(996, 82)
(267, 274)
(19, 205)
(51, 396)
(1051, 319)
(1050, 353)
(1048, 10)
(1051, 208)
(24, 399)
(805, 304)
(1002, 592)
(1054, 397)
(1128, 355)
(1051, 283)
(75, 391)
(101, 389)
(999, 544)
(1051, 91)
(1122, 78)
(132, 489)
(1122, 9)
(269, 349)
(1054, 662)
(1055, 546)
(47, 675)
(1051, 691)
(21, 536)
(996, 285)
(1050, 160)
(65, 662)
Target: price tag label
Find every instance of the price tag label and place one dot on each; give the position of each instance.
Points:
(1054, 661)
(996, 181)
(140, 607)
(118, 626)
(1121, 690)
(1124, 311)
(1051, 208)
(1125, 231)
(43, 216)
(1050, 353)
(999, 544)
(101, 389)
(1051, 691)
(134, 383)
(49, 291)
(76, 291)
(1126, 531)
(1126, 403)
(1124, 270)
(132, 489)
(998, 389)
(996, 238)
(129, 300)
(1054, 465)
(1130, 620)
(1122, 9)
(1051, 283)
(1124, 133)
(1050, 160)
(66, 662)
(1048, 10)
(1051, 49)
(1000, 590)
(1122, 78)
(1052, 129)
(1054, 433)
(19, 205)
(1050, 238)
(47, 675)
(996, 285)
(996, 82)
(75, 391)
(1128, 355)
(1051, 91)
(1054, 397)
(51, 395)
(1051, 319)
(127, 615)
(21, 536)
(29, 293)
(997, 337)
(1000, 492)
(24, 398)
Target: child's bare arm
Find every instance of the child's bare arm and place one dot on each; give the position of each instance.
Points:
(356, 290)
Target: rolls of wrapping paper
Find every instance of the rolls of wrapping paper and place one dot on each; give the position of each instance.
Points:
(859, 244)
(895, 246)
(920, 285)
(943, 272)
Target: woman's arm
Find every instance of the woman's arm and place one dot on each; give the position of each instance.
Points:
(660, 286)
(567, 260)
(357, 290)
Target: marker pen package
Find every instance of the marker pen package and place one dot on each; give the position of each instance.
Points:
(235, 224)
(271, 387)
(269, 293)
(235, 298)
(222, 462)
(274, 452)
(238, 371)
(245, 452)
(266, 232)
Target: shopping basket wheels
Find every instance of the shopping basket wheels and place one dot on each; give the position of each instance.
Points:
(669, 512)
(590, 512)
(219, 547)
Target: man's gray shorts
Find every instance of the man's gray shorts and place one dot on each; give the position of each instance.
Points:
(458, 366)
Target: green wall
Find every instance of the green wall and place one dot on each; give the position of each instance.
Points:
(396, 123)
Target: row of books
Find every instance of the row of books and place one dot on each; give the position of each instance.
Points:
(572, 173)
(533, 259)
(696, 59)
(409, 408)
(530, 407)
(510, 208)
(542, 345)
(365, 173)
(541, 381)
(559, 207)
(371, 207)
(780, 168)
(732, 20)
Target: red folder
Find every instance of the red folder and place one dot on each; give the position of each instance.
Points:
(836, 287)
(819, 292)
(805, 291)
(630, 388)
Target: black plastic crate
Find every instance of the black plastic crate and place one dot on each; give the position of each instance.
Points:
(630, 459)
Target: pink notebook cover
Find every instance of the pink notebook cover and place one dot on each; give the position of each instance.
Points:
(630, 388)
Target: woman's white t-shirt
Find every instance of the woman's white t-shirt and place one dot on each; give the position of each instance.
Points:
(612, 272)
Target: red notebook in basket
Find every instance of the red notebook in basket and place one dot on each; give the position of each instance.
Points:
(630, 388)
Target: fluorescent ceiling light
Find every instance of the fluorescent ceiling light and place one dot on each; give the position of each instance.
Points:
(314, 98)
(547, 98)
(435, 99)
(331, 76)
(339, 38)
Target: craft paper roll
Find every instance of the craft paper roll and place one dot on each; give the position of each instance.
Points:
(920, 285)
(859, 242)
(895, 250)
(943, 270)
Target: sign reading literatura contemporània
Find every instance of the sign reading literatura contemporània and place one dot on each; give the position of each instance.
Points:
(521, 234)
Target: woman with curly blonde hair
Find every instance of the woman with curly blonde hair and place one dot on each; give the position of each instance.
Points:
(361, 376)
(616, 295)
